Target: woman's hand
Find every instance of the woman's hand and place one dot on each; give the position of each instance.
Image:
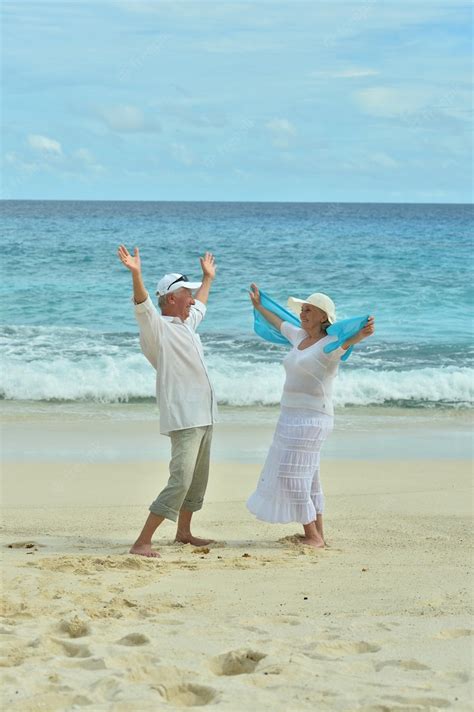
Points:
(131, 262)
(272, 318)
(254, 295)
(208, 265)
(366, 330)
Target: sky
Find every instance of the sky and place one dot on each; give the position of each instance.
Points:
(307, 101)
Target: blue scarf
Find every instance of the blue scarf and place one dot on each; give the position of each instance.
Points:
(344, 329)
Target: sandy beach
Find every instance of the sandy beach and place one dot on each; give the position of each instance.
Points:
(380, 620)
(163, 163)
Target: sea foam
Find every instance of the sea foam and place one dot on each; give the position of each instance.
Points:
(236, 382)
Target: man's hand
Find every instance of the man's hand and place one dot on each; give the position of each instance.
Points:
(208, 265)
(131, 262)
(208, 273)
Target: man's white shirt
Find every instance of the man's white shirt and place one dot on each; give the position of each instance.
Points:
(183, 390)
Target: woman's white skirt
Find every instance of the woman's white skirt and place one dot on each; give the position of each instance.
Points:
(289, 488)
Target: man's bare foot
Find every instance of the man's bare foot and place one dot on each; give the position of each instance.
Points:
(315, 543)
(194, 540)
(144, 550)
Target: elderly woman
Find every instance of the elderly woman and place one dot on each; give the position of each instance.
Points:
(289, 488)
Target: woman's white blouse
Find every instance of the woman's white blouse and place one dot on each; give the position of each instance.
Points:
(309, 373)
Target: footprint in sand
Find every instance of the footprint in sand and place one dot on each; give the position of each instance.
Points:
(106, 689)
(14, 653)
(24, 545)
(4, 630)
(454, 633)
(403, 664)
(254, 629)
(236, 662)
(418, 703)
(387, 708)
(187, 694)
(343, 647)
(74, 650)
(457, 676)
(291, 619)
(82, 565)
(385, 626)
(134, 639)
(81, 701)
(92, 664)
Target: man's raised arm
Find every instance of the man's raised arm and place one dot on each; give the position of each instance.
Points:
(208, 267)
(132, 262)
(146, 314)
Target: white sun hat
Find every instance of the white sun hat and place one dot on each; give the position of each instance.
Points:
(172, 282)
(318, 299)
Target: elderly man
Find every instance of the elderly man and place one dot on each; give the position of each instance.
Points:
(183, 390)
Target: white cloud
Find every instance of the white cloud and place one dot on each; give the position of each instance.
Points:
(348, 73)
(417, 106)
(355, 73)
(375, 164)
(282, 132)
(80, 162)
(16, 161)
(128, 119)
(44, 144)
(386, 101)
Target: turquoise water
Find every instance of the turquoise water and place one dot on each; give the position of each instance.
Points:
(68, 331)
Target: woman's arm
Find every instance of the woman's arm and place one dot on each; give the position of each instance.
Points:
(272, 318)
(366, 331)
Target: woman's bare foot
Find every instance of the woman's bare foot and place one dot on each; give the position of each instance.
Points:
(194, 540)
(319, 526)
(315, 543)
(302, 536)
(312, 537)
(144, 550)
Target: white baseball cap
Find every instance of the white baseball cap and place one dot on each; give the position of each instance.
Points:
(172, 282)
(318, 299)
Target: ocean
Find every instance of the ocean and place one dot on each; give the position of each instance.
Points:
(68, 333)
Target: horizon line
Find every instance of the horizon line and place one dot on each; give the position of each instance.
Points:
(220, 202)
